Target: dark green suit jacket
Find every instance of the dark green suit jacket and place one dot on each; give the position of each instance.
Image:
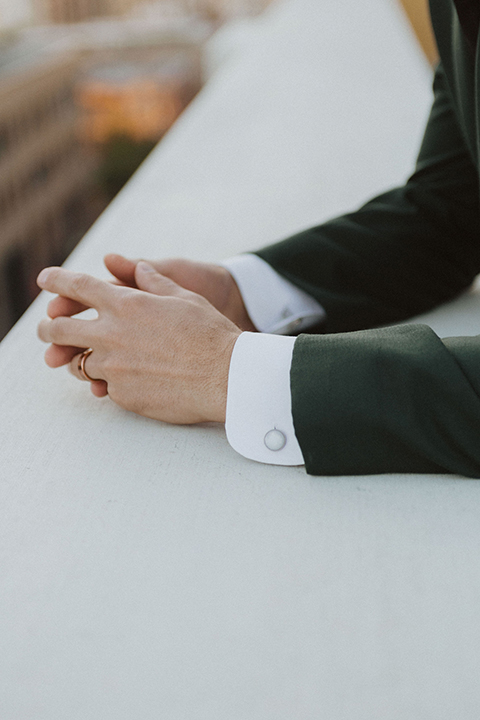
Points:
(397, 399)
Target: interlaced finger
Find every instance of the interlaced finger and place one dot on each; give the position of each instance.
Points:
(98, 387)
(88, 361)
(64, 307)
(149, 280)
(68, 331)
(122, 268)
(79, 287)
(58, 355)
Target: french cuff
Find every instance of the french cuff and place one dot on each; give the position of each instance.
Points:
(259, 422)
(275, 305)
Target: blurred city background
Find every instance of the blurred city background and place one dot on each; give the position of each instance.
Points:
(87, 88)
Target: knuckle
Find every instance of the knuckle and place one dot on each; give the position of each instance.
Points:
(170, 267)
(124, 396)
(136, 303)
(79, 283)
(112, 367)
(120, 307)
(135, 299)
(200, 301)
(126, 300)
(58, 330)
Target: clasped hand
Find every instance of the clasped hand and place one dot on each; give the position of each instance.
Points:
(159, 349)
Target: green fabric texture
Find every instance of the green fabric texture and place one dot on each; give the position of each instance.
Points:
(396, 399)
(385, 400)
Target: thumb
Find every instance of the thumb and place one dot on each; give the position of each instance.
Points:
(149, 280)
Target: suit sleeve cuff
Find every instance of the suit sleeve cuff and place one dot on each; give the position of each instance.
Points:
(274, 304)
(259, 421)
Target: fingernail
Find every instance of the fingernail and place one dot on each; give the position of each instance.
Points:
(145, 267)
(43, 277)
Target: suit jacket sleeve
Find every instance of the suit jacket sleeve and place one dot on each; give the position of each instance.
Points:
(396, 399)
(405, 251)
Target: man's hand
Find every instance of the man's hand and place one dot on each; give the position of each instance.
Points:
(163, 351)
(213, 282)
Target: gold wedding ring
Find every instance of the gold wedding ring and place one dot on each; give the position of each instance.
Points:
(81, 365)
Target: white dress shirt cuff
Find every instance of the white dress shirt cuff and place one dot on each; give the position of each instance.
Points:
(259, 421)
(274, 304)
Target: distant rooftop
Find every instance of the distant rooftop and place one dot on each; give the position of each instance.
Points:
(118, 32)
(36, 44)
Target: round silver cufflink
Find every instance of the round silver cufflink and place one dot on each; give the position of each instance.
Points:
(275, 440)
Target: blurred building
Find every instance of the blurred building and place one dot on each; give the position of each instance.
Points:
(137, 74)
(64, 92)
(140, 97)
(70, 11)
(46, 176)
(226, 9)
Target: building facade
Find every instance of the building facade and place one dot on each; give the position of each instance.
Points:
(68, 11)
(46, 201)
(137, 92)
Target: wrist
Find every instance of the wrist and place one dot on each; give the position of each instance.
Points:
(235, 309)
(217, 393)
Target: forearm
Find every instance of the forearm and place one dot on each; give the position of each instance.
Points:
(405, 251)
(396, 399)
